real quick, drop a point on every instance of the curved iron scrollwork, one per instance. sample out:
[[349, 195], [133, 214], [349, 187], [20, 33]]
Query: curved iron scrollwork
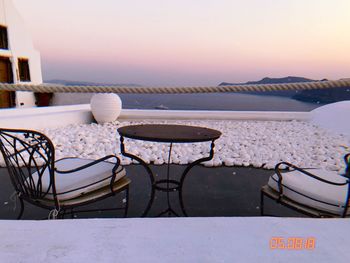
[[170, 185], [30, 160], [29, 155]]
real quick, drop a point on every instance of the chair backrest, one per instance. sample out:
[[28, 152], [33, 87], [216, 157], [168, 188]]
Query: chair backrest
[[27, 155]]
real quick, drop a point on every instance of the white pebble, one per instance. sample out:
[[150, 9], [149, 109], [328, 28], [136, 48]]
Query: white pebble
[[242, 143]]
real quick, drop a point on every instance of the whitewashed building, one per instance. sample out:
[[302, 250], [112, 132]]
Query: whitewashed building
[[19, 61]]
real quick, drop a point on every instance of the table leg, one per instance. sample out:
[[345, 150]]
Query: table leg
[[169, 209], [188, 168], [168, 177], [148, 169]]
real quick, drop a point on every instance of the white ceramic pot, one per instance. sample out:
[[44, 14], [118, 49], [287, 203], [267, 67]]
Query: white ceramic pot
[[106, 107]]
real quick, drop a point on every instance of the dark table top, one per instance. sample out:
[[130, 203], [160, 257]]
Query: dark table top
[[169, 133]]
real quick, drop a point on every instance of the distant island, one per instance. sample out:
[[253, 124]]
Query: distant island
[[321, 96]]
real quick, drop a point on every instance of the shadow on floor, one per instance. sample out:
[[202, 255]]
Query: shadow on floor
[[208, 192]]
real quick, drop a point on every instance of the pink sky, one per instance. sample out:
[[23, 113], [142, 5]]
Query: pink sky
[[163, 42]]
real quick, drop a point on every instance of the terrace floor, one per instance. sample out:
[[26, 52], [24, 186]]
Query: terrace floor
[[208, 192]]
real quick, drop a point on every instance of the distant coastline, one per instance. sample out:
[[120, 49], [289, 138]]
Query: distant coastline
[[305, 100], [319, 96]]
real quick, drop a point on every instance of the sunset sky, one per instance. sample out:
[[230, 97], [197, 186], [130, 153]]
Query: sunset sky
[[182, 42]]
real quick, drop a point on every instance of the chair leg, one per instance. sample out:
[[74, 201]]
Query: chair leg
[[261, 203], [22, 208], [71, 213], [127, 202], [61, 214]]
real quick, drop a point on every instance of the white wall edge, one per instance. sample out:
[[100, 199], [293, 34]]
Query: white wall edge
[[59, 116], [45, 117], [213, 115], [42, 110]]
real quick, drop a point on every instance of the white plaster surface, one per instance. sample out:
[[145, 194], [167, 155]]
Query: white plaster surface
[[213, 115], [20, 46], [20, 41], [58, 116], [40, 117], [257, 143], [172, 240], [334, 117]]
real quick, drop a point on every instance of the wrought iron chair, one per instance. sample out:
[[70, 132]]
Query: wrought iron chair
[[326, 194], [58, 185]]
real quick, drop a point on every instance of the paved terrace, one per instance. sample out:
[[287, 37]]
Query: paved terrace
[[222, 202], [208, 192]]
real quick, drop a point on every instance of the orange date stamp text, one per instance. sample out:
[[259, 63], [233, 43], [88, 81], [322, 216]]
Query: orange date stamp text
[[293, 243]]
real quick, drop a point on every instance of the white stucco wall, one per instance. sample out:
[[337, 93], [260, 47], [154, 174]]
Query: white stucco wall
[[20, 46], [60, 116], [45, 117], [333, 117], [2, 12]]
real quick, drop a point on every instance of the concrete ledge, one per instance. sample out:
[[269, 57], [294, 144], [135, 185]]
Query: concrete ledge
[[58, 116], [213, 115], [174, 240], [45, 117]]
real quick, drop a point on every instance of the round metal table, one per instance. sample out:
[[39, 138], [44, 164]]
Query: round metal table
[[165, 133]]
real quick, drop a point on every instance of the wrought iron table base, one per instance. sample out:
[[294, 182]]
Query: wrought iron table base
[[156, 185]]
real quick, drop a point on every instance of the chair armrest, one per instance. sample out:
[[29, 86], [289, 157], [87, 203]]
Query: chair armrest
[[347, 162], [91, 164], [114, 169], [347, 157], [278, 172]]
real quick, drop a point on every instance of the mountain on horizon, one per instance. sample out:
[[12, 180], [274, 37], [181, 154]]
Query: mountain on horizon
[[321, 96], [267, 80]]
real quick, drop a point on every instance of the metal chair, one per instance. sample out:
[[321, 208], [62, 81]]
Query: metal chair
[[326, 194], [58, 185]]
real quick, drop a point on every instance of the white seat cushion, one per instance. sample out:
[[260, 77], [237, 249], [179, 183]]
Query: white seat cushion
[[99, 175], [311, 192]]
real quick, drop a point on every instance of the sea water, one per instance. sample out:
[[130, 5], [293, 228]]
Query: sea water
[[203, 101]]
